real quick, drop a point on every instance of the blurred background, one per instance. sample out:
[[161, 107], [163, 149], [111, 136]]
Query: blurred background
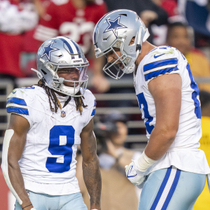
[[25, 24]]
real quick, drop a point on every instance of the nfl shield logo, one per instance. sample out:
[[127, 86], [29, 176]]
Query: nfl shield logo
[[63, 114]]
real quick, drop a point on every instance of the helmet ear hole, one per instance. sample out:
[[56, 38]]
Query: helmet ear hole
[[44, 72], [132, 41]]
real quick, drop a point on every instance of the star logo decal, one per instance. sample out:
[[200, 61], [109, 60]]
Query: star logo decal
[[113, 25], [48, 50]]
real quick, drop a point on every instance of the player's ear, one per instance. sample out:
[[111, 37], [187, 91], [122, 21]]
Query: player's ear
[[132, 41]]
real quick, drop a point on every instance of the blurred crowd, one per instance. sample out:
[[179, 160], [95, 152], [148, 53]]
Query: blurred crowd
[[25, 24]]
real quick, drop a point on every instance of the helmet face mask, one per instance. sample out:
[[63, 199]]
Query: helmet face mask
[[62, 53], [121, 29]]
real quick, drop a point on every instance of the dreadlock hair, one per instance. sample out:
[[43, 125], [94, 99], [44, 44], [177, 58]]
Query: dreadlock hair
[[54, 101]]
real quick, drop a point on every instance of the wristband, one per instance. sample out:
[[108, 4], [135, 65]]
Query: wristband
[[144, 162]]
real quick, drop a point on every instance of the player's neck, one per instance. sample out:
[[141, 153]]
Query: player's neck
[[146, 48]]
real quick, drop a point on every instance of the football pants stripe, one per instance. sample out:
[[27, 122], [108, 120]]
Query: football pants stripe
[[167, 189]]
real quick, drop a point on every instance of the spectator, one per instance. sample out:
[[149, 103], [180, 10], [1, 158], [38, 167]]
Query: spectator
[[16, 17], [76, 19], [113, 151], [203, 201], [200, 23], [150, 12], [111, 132], [31, 45], [179, 36], [170, 6]]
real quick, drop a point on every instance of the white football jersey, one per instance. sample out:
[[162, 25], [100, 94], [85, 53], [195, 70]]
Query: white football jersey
[[184, 152], [48, 161]]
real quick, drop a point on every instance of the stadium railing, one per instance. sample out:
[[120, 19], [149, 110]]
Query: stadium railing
[[136, 137]]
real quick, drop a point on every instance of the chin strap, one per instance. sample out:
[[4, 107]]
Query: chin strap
[[142, 36]]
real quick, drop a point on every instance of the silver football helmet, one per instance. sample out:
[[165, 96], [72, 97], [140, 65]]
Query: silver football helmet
[[59, 53], [114, 31]]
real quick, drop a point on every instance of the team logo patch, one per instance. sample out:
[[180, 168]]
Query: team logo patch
[[63, 113]]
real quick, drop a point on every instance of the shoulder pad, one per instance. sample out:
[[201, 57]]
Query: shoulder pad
[[18, 99], [161, 60], [162, 52], [90, 100]]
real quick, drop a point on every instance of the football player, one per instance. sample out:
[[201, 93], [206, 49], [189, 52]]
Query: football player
[[171, 171], [48, 121]]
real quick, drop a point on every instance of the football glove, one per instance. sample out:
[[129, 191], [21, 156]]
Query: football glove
[[135, 176]]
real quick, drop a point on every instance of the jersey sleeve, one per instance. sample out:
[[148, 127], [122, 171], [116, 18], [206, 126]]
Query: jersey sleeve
[[20, 102], [160, 61], [90, 110]]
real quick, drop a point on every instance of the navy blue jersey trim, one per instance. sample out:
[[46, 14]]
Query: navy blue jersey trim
[[159, 72], [17, 110], [18, 101], [160, 63], [93, 112]]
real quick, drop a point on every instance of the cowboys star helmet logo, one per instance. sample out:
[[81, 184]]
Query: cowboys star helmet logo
[[48, 50], [113, 25]]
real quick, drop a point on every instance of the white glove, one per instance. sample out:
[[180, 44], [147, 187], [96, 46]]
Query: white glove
[[135, 176]]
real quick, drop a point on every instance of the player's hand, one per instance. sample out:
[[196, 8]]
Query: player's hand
[[135, 176]]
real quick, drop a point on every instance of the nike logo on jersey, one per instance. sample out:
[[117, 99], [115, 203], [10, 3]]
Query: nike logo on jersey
[[156, 56]]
